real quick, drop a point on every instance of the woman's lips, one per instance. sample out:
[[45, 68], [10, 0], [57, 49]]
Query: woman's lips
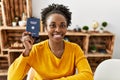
[[57, 36]]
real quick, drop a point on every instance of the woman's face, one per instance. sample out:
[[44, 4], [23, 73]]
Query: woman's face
[[56, 26]]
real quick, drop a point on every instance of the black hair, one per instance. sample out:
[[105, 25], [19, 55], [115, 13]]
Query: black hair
[[56, 8]]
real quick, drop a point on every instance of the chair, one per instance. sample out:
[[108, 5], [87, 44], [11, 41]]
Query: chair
[[30, 74], [108, 70]]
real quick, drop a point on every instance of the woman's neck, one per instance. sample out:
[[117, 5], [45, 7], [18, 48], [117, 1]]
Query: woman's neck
[[56, 46]]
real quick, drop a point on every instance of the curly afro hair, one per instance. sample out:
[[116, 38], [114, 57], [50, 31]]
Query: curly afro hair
[[56, 8]]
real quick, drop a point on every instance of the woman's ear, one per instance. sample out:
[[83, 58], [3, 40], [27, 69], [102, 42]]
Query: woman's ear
[[45, 27]]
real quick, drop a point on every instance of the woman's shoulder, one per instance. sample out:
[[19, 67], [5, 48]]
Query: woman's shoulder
[[73, 47], [41, 44], [71, 44]]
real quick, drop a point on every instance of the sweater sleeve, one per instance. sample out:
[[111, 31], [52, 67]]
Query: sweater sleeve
[[81, 63], [20, 67]]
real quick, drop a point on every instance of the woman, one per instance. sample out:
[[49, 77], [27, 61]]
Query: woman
[[55, 58]]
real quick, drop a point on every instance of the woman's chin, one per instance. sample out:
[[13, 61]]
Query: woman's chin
[[58, 39]]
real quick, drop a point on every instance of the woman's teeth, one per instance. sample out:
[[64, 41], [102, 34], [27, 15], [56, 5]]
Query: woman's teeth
[[57, 35]]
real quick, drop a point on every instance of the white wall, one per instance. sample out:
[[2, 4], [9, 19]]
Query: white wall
[[85, 11]]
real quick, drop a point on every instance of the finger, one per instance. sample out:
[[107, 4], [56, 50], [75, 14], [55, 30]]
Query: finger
[[27, 45], [26, 33], [27, 37], [32, 40]]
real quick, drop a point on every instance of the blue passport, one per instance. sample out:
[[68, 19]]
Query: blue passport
[[33, 26]]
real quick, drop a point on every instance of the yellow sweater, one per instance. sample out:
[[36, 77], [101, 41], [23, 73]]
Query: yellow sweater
[[48, 66]]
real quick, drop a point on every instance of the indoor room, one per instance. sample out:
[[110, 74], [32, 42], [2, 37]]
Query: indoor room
[[59, 40]]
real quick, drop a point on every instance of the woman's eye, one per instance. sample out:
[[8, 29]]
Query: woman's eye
[[52, 25], [63, 26]]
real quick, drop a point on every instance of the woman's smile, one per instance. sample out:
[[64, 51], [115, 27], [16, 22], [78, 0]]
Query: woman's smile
[[57, 36], [56, 27]]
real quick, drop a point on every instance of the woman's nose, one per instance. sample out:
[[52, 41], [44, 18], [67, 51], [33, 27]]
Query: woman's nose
[[57, 29]]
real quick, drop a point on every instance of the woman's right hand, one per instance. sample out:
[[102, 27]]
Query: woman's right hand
[[27, 41]]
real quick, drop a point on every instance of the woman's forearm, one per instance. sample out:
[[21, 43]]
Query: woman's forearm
[[18, 69]]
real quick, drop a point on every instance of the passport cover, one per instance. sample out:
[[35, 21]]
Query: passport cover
[[33, 26]]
